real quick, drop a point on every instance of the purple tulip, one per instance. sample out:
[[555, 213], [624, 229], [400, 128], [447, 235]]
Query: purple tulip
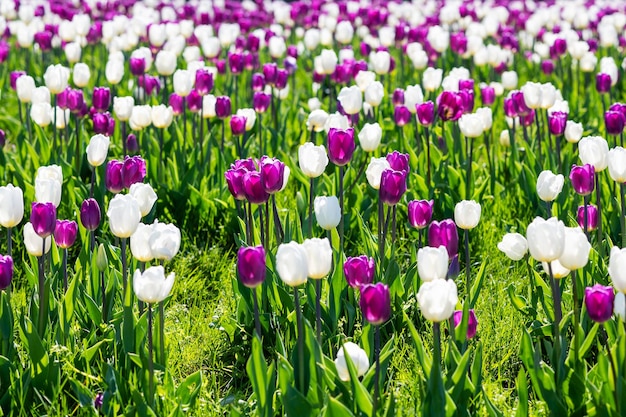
[[270, 71], [133, 170], [401, 115], [4, 51], [151, 84], [556, 123], [472, 322], [103, 123], [204, 82], [6, 271], [425, 113], [466, 85], [43, 217], [359, 270], [398, 161], [251, 265], [176, 102], [223, 107], [458, 43], [62, 98], [582, 178], [340, 145], [235, 62], [194, 101], [614, 122], [247, 164], [487, 95], [261, 102], [519, 103], [137, 66], [14, 76], [467, 98], [253, 188], [444, 233], [101, 99], [392, 186], [603, 83], [65, 233], [619, 107], [599, 302], [258, 82], [272, 174], [75, 100], [449, 106], [527, 119], [282, 76], [398, 97], [420, 212], [547, 67], [90, 214], [234, 181], [220, 64], [592, 217], [375, 303], [509, 108], [43, 40], [132, 145], [113, 177]]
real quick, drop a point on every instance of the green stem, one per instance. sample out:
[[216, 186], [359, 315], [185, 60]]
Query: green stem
[[599, 206], [556, 298], [161, 332], [9, 241], [41, 289], [311, 191], [616, 398], [341, 231], [150, 361], [318, 310], [300, 325], [467, 265], [576, 314], [377, 369], [104, 298], [257, 322], [64, 270]]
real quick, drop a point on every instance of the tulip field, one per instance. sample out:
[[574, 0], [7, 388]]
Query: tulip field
[[352, 208]]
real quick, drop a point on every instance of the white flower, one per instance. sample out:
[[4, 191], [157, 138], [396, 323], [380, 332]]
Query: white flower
[[357, 356], [437, 299], [152, 286], [514, 246]]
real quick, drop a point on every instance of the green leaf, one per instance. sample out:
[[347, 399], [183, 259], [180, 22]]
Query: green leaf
[[89, 353], [336, 409], [522, 393], [188, 391], [257, 372], [296, 405], [85, 397]]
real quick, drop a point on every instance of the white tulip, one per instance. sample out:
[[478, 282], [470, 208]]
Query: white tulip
[[152, 286], [576, 251], [317, 120], [370, 136], [374, 93], [573, 131], [140, 243], [351, 99], [546, 239], [124, 215], [165, 241], [374, 171], [33, 243], [594, 150], [432, 263], [514, 245], [319, 257], [312, 159], [11, 206], [327, 212], [165, 63], [56, 78], [161, 116], [24, 86], [145, 196], [467, 214], [437, 299], [357, 356], [123, 107], [291, 263], [81, 75], [549, 185]]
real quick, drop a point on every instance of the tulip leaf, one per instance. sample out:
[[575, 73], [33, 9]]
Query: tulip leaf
[[89, 353], [336, 409], [478, 284], [522, 393], [93, 309], [296, 404], [518, 302]]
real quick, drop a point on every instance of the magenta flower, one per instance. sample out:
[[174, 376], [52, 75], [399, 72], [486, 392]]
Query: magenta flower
[[6, 271], [375, 303], [592, 217], [472, 322], [359, 270], [449, 106], [253, 188], [272, 174], [251, 265], [340, 145], [133, 170], [444, 233], [90, 214], [599, 302], [420, 213], [65, 233], [43, 217], [583, 179], [113, 176]]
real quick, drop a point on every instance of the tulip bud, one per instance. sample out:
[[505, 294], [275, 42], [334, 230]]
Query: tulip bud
[[401, 115], [204, 82], [97, 150], [6, 272], [444, 233], [599, 302], [472, 322], [340, 145], [359, 270], [594, 150], [556, 122], [425, 113], [123, 107], [603, 83], [432, 263], [90, 214], [56, 78], [251, 266], [357, 356], [546, 239], [583, 179], [467, 214], [488, 95], [319, 257], [327, 212], [124, 215], [471, 125], [43, 218], [592, 217], [291, 263], [437, 299], [223, 107], [165, 63], [614, 122], [351, 99], [420, 213], [573, 131], [375, 303], [152, 286], [101, 99], [137, 66], [398, 161], [514, 246], [133, 170], [65, 233], [392, 186], [140, 243], [253, 188], [238, 125]]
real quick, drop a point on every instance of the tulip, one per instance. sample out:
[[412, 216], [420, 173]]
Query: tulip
[[223, 107], [312, 159], [514, 246], [124, 215], [375, 303], [238, 125], [340, 145], [34, 243], [6, 271], [248, 116], [449, 106], [431, 78], [398, 161], [140, 117], [317, 120], [152, 286], [183, 82], [351, 99], [398, 97], [164, 241], [392, 186], [113, 177], [114, 71], [444, 233], [425, 113], [619, 306], [272, 174], [65, 233], [137, 66], [204, 82], [133, 170], [101, 98], [253, 187], [11, 206], [123, 107], [617, 164], [43, 218], [401, 115], [592, 217], [261, 102], [599, 302], [413, 96], [603, 83], [472, 322], [467, 214], [327, 212], [97, 150], [145, 196], [617, 268], [25, 86], [549, 185], [546, 239], [594, 150], [140, 242], [583, 179], [162, 116], [375, 170], [420, 213], [370, 136], [319, 257], [432, 263], [56, 78], [488, 95], [437, 299], [165, 63], [291, 263], [573, 131], [251, 266], [471, 125], [557, 122], [359, 270], [90, 214], [614, 122], [576, 249], [357, 356], [41, 114]]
